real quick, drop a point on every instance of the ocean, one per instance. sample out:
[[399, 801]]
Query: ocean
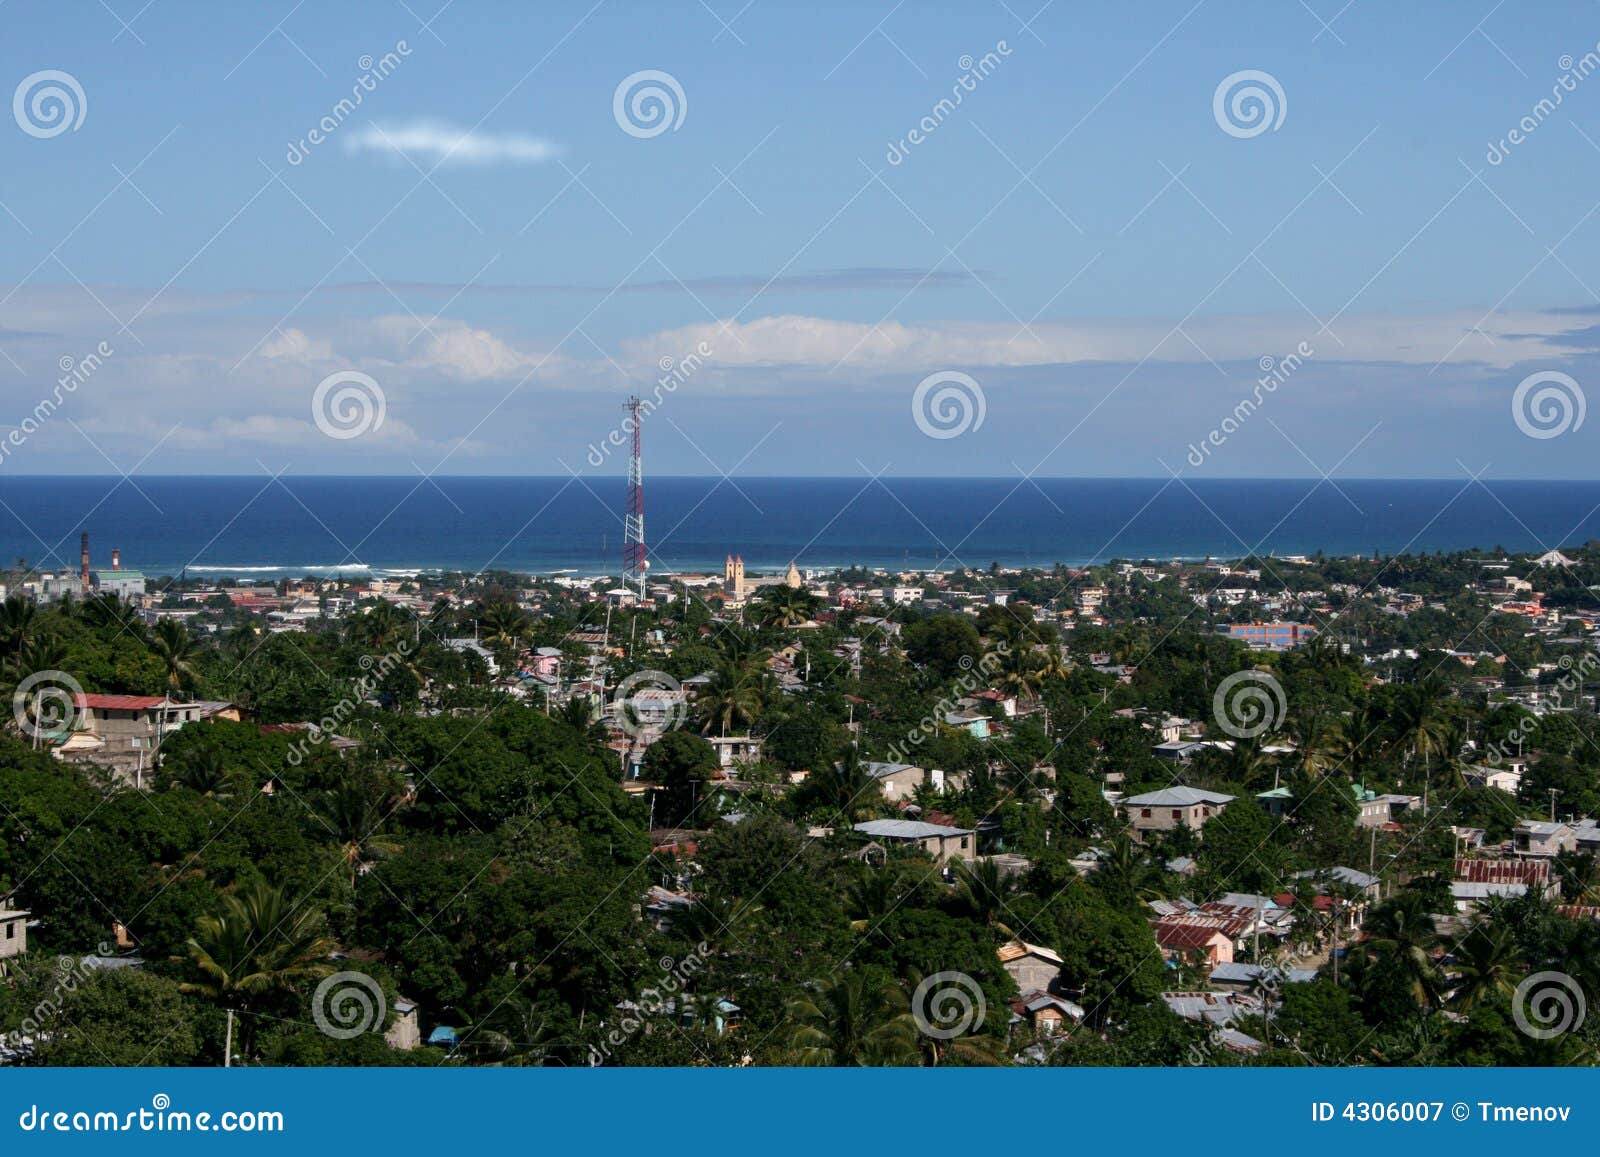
[[254, 527]]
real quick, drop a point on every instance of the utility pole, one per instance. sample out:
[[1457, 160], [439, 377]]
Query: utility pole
[[227, 1049], [634, 563], [1255, 947]]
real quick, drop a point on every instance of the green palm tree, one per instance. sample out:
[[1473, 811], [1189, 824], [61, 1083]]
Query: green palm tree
[[203, 771], [972, 1048], [847, 786], [1419, 721], [258, 945], [504, 626], [782, 606], [1318, 741], [177, 650], [1403, 933], [18, 618], [43, 651], [983, 889], [354, 810], [379, 627], [731, 700], [519, 1034], [108, 610], [1485, 957], [1126, 871], [872, 897], [1020, 673], [851, 1021]]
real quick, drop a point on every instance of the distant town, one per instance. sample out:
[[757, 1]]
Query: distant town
[[1303, 810]]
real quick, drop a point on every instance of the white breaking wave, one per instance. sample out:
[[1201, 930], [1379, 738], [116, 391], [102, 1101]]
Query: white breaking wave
[[357, 566]]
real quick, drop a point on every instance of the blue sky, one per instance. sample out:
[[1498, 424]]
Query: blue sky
[[1081, 237]]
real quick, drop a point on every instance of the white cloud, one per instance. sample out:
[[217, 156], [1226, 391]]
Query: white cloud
[[442, 143], [295, 345], [824, 343]]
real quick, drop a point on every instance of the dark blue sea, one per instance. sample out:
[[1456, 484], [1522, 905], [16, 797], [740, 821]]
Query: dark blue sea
[[258, 527]]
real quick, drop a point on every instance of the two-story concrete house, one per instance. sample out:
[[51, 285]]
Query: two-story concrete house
[[1173, 808]]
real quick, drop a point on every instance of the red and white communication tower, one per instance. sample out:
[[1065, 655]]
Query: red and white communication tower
[[634, 563]]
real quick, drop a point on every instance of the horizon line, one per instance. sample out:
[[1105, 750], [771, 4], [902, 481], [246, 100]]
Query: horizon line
[[815, 477]]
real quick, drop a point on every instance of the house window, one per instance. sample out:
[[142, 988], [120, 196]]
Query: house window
[[1144, 814], [1176, 814], [11, 930], [963, 843]]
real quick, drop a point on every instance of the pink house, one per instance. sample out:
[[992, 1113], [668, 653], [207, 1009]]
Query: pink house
[[1178, 937], [546, 662]]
